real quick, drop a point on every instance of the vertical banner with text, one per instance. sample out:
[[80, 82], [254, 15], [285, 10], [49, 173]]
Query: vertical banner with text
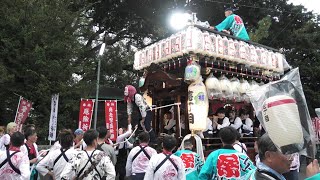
[[111, 118], [22, 113], [53, 117], [85, 114]]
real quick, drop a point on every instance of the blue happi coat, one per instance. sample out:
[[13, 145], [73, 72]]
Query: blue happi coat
[[226, 163], [192, 163], [235, 24]]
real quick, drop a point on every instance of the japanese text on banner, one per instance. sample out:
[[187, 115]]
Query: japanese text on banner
[[85, 114], [53, 117], [22, 112], [111, 118]]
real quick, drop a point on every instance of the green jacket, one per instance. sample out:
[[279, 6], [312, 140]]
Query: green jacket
[[192, 163], [235, 24], [315, 177], [226, 163]]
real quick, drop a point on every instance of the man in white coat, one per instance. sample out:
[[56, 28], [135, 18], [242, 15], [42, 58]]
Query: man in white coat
[[58, 158], [166, 166], [14, 165], [139, 157]]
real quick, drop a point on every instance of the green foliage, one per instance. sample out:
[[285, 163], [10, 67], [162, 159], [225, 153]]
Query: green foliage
[[262, 30]]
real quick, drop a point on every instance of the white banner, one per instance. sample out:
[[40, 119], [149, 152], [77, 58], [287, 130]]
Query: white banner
[[53, 117]]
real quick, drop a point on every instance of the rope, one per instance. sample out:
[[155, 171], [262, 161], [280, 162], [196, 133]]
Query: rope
[[126, 140]]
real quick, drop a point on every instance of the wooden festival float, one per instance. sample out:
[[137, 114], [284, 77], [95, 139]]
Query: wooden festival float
[[198, 70]]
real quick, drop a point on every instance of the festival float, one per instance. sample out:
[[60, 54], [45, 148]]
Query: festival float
[[199, 70]]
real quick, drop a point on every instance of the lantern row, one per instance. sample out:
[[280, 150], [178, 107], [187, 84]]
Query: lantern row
[[194, 41]]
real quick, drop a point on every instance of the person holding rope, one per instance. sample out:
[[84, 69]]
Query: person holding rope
[[135, 100], [139, 157]]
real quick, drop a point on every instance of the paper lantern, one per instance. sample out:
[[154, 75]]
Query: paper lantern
[[184, 42], [225, 47], [198, 106], [253, 56], [207, 44], [264, 58], [242, 51], [214, 47], [237, 51], [219, 46], [136, 64], [258, 52], [253, 85], [192, 72], [213, 87], [280, 58], [231, 50], [283, 130], [248, 54]]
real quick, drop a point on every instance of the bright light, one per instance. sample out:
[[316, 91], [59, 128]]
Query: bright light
[[103, 46], [179, 20]]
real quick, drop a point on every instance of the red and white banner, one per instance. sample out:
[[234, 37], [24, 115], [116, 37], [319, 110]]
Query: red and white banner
[[85, 114], [111, 118], [22, 112]]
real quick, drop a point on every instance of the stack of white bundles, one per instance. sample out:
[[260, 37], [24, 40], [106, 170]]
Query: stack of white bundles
[[242, 51], [264, 58], [253, 56], [282, 121], [258, 52], [198, 106], [219, 46], [207, 44], [213, 87], [237, 57], [148, 56], [225, 48], [167, 49], [225, 87], [192, 72], [281, 59], [231, 50], [214, 45], [163, 50], [235, 87]]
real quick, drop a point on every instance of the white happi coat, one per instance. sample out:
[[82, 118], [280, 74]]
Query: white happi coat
[[20, 161], [167, 171], [48, 162], [140, 163]]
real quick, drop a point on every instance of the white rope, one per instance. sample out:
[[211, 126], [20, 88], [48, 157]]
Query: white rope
[[127, 139], [160, 107], [198, 145]]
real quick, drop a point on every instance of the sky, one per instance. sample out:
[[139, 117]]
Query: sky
[[311, 5]]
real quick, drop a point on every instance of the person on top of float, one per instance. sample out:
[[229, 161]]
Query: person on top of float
[[233, 24], [130, 96]]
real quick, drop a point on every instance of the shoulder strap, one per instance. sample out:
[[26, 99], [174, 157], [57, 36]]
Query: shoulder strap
[[62, 154], [99, 147], [6, 160], [27, 149], [10, 162], [162, 162], [92, 164], [243, 149], [142, 149], [80, 172]]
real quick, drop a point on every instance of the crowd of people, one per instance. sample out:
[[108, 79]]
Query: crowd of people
[[91, 155]]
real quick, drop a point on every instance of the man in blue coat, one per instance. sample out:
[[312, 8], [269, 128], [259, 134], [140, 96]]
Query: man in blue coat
[[233, 24], [226, 163]]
